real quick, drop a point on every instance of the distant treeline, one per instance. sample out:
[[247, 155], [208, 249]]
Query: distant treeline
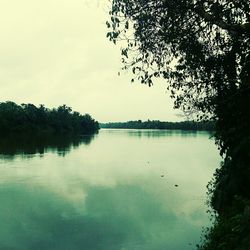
[[186, 125], [27, 118]]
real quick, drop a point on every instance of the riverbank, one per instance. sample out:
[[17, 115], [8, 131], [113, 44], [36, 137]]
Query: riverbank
[[156, 124]]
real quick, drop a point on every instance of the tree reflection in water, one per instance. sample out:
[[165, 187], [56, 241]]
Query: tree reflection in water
[[27, 146]]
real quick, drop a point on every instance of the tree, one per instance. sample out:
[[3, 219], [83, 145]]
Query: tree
[[202, 49], [27, 118]]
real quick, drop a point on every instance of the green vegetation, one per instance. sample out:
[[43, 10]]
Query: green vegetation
[[27, 118], [186, 125], [202, 49]]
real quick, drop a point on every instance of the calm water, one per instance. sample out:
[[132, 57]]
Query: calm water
[[117, 190]]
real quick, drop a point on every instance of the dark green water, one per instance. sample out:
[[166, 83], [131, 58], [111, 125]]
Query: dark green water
[[113, 191]]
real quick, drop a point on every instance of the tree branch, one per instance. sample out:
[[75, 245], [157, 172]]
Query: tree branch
[[231, 28]]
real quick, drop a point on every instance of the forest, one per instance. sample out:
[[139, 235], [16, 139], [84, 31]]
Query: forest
[[28, 118], [156, 124]]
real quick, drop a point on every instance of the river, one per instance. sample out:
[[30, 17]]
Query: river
[[117, 190]]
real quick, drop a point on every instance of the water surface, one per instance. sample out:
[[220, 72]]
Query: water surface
[[121, 189]]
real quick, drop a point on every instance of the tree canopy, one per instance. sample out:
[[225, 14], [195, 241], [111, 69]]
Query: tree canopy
[[26, 118], [200, 47]]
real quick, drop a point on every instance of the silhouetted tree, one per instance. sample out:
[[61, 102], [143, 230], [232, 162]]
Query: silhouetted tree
[[202, 49], [26, 118]]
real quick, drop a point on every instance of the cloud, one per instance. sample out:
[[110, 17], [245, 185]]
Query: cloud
[[56, 51]]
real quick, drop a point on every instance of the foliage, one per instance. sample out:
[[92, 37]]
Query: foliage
[[202, 49], [186, 125], [26, 118], [230, 231]]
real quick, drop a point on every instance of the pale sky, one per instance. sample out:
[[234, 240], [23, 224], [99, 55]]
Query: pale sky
[[56, 52]]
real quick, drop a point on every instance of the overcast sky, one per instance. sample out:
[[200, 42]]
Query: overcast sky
[[56, 52]]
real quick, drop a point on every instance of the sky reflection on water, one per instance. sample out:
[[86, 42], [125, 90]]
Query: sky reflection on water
[[116, 192]]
